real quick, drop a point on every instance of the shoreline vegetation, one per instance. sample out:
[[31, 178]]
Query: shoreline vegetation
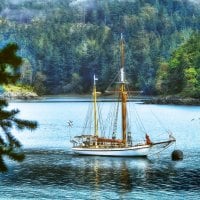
[[173, 100], [12, 92], [24, 94]]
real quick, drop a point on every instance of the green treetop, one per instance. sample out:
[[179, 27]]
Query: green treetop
[[181, 74]]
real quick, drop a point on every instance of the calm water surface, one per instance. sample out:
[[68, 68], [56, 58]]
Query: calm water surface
[[51, 171]]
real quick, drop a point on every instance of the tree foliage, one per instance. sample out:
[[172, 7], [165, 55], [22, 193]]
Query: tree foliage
[[181, 73], [9, 73], [67, 37], [8, 57]]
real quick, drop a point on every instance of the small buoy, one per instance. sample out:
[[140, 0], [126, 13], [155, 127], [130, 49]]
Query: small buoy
[[177, 155]]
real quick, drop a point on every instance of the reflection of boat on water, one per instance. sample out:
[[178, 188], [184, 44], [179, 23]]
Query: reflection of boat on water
[[119, 174], [102, 145]]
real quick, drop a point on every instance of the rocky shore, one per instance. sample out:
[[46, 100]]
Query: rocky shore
[[173, 100], [19, 95]]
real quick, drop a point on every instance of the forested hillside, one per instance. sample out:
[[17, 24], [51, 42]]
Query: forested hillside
[[181, 74], [64, 42]]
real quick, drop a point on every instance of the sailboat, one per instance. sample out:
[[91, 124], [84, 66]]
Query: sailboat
[[96, 145]]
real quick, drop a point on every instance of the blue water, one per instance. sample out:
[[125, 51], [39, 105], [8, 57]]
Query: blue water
[[51, 171]]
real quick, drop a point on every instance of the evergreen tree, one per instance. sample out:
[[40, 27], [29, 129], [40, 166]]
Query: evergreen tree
[[9, 73], [68, 37], [180, 75]]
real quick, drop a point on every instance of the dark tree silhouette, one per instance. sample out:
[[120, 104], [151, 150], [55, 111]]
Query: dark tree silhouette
[[9, 73]]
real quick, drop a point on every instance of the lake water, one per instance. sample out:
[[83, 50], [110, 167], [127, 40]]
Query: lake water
[[51, 171]]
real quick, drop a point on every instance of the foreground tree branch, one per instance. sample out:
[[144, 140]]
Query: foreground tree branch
[[9, 73]]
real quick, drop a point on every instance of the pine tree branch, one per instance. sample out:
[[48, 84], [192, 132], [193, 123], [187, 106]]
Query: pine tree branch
[[15, 155], [9, 73], [3, 103], [21, 124], [13, 142], [8, 115], [3, 167]]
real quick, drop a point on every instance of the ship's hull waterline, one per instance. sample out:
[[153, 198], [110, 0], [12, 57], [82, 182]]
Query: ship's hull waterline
[[137, 151]]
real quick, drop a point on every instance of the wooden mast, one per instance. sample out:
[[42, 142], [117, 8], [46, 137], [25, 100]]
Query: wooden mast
[[123, 91], [95, 108]]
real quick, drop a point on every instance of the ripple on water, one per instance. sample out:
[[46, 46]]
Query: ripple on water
[[58, 174]]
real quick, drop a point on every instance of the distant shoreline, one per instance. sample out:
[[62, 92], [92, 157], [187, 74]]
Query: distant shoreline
[[173, 101], [19, 95], [168, 100]]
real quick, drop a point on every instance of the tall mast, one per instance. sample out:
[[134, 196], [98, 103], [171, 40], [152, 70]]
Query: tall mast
[[95, 107], [123, 91]]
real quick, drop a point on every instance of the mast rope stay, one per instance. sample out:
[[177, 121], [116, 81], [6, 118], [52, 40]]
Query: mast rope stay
[[138, 119], [116, 76], [101, 124], [88, 121], [116, 118]]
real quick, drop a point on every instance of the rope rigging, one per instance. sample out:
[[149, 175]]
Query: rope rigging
[[88, 120], [116, 117]]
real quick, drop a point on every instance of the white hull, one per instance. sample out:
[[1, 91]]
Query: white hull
[[135, 151]]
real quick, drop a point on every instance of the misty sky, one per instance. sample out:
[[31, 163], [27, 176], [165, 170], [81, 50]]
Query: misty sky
[[18, 14]]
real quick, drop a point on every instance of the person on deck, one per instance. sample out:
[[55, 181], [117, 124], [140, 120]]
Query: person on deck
[[148, 140]]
